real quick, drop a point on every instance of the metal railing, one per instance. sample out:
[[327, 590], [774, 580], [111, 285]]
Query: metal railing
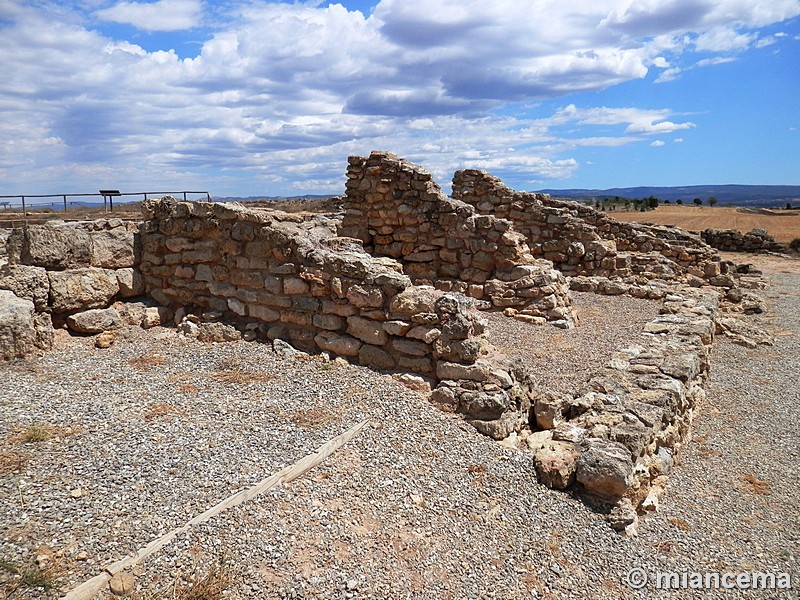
[[107, 198]]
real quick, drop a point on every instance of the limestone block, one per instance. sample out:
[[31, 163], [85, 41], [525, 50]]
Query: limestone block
[[295, 285], [410, 347], [340, 344], [28, 282], [50, 247], [131, 282], [414, 299], [115, 249], [95, 320], [77, 289], [556, 463], [367, 330], [217, 332], [374, 356], [328, 322], [23, 332], [485, 405], [605, 469], [363, 296]]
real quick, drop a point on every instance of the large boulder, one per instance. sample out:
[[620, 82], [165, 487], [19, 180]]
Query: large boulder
[[78, 289], [30, 283], [50, 246], [23, 332]]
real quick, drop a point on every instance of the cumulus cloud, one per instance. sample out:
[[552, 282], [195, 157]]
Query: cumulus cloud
[[658, 143], [279, 93], [163, 15]]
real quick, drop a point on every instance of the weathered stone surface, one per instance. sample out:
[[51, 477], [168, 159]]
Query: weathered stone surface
[[23, 332], [217, 332], [556, 463], [367, 330], [376, 357], [414, 300], [94, 320], [30, 283], [78, 289], [486, 405], [50, 247], [548, 409], [113, 249], [605, 469], [130, 281], [343, 345]]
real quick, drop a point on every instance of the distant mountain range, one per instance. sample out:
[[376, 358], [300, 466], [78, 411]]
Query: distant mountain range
[[739, 195]]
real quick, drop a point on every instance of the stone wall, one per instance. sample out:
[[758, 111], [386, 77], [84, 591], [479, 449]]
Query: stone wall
[[396, 209], [580, 240], [616, 437], [294, 280], [71, 273], [731, 240]]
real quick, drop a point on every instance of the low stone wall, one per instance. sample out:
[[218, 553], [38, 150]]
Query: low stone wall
[[580, 240], [294, 281], [396, 209], [731, 240], [616, 437]]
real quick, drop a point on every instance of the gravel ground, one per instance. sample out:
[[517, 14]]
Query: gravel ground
[[156, 429], [561, 360]]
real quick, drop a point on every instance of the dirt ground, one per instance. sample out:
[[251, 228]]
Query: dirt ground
[[783, 225]]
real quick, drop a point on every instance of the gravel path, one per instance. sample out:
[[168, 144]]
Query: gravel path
[[156, 429]]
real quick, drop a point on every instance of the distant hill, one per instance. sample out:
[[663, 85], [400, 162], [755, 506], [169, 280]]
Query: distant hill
[[739, 195]]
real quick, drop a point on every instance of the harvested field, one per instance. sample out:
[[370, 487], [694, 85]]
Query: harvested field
[[783, 225], [419, 505]]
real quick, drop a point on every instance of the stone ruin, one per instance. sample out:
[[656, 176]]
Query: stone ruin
[[730, 240], [398, 284]]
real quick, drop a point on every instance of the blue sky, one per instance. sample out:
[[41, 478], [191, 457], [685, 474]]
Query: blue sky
[[249, 97]]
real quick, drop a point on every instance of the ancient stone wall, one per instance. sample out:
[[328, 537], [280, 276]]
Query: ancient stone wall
[[71, 273], [731, 240], [580, 240], [295, 281], [396, 209], [616, 437]]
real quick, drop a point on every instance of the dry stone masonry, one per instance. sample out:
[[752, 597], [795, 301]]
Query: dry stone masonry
[[396, 209], [294, 280], [731, 240], [397, 284]]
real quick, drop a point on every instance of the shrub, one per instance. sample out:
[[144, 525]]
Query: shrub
[[795, 244]]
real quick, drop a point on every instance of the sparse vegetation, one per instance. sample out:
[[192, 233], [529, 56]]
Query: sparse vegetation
[[795, 244], [25, 577], [159, 409], [40, 432], [147, 361], [11, 461], [211, 586], [758, 486]]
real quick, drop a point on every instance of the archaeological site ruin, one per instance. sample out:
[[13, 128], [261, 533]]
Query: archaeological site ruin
[[399, 282]]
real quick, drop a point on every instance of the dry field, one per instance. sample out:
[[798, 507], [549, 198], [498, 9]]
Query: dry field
[[783, 225]]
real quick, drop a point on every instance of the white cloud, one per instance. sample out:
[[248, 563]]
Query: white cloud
[[658, 143], [279, 93], [163, 15], [723, 39], [678, 140]]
